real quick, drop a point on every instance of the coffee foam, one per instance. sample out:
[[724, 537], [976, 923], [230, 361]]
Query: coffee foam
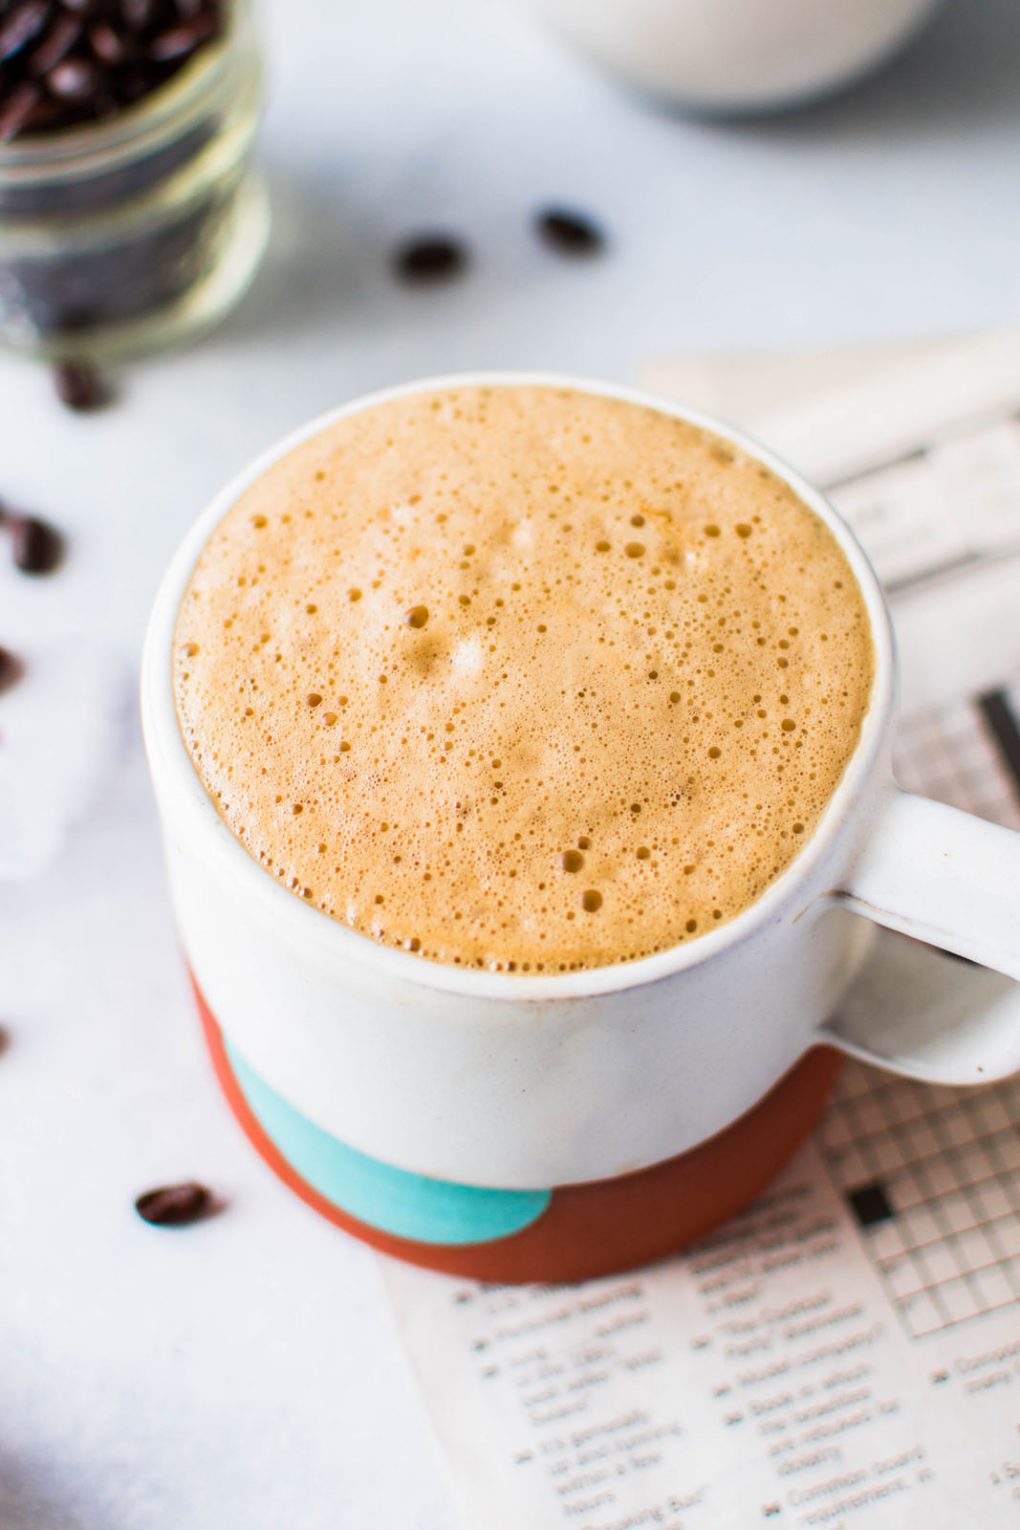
[[522, 678]]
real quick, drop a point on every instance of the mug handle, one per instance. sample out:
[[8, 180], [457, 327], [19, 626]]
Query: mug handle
[[953, 881]]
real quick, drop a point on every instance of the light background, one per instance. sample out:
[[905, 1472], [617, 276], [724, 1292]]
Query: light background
[[243, 1373]]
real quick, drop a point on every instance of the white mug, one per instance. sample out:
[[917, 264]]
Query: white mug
[[520, 1083]]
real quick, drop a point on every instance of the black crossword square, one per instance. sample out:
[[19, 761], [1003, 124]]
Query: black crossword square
[[870, 1204]]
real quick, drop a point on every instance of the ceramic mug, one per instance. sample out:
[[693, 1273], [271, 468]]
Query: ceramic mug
[[553, 1127]]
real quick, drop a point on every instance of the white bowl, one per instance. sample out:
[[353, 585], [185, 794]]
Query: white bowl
[[736, 55]]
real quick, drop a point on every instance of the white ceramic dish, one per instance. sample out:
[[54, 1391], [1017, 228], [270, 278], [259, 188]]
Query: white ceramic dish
[[736, 55]]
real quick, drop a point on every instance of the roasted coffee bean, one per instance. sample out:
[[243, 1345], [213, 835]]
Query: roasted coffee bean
[[109, 46], [133, 84], [61, 37], [75, 79], [179, 42], [432, 258], [10, 670], [569, 233], [77, 318], [81, 386], [22, 25], [139, 14], [17, 111], [174, 1205], [88, 58], [36, 547]]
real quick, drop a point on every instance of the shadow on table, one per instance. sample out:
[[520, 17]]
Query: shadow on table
[[324, 267], [27, 1504], [961, 72]]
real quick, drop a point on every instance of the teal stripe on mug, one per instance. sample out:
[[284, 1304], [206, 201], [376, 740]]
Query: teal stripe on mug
[[392, 1200]]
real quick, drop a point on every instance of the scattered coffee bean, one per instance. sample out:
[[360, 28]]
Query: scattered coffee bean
[[10, 670], [36, 547], [174, 1205], [432, 258], [81, 386], [570, 233]]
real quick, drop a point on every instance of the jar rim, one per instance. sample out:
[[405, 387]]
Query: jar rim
[[95, 147]]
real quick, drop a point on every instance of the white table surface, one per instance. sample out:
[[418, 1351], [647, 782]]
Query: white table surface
[[243, 1373]]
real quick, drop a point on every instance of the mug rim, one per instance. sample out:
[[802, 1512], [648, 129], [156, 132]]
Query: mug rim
[[173, 769]]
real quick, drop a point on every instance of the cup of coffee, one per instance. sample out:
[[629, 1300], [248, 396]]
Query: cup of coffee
[[521, 747]]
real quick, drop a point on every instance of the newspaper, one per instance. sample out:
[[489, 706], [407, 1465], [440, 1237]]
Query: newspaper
[[847, 1352]]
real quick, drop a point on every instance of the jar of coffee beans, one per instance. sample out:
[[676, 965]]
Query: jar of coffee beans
[[130, 213]]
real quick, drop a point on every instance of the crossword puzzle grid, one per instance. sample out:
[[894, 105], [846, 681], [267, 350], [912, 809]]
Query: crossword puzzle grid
[[949, 754], [933, 1175], [944, 1167]]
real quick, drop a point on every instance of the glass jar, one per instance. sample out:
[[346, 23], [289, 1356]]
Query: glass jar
[[133, 233]]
